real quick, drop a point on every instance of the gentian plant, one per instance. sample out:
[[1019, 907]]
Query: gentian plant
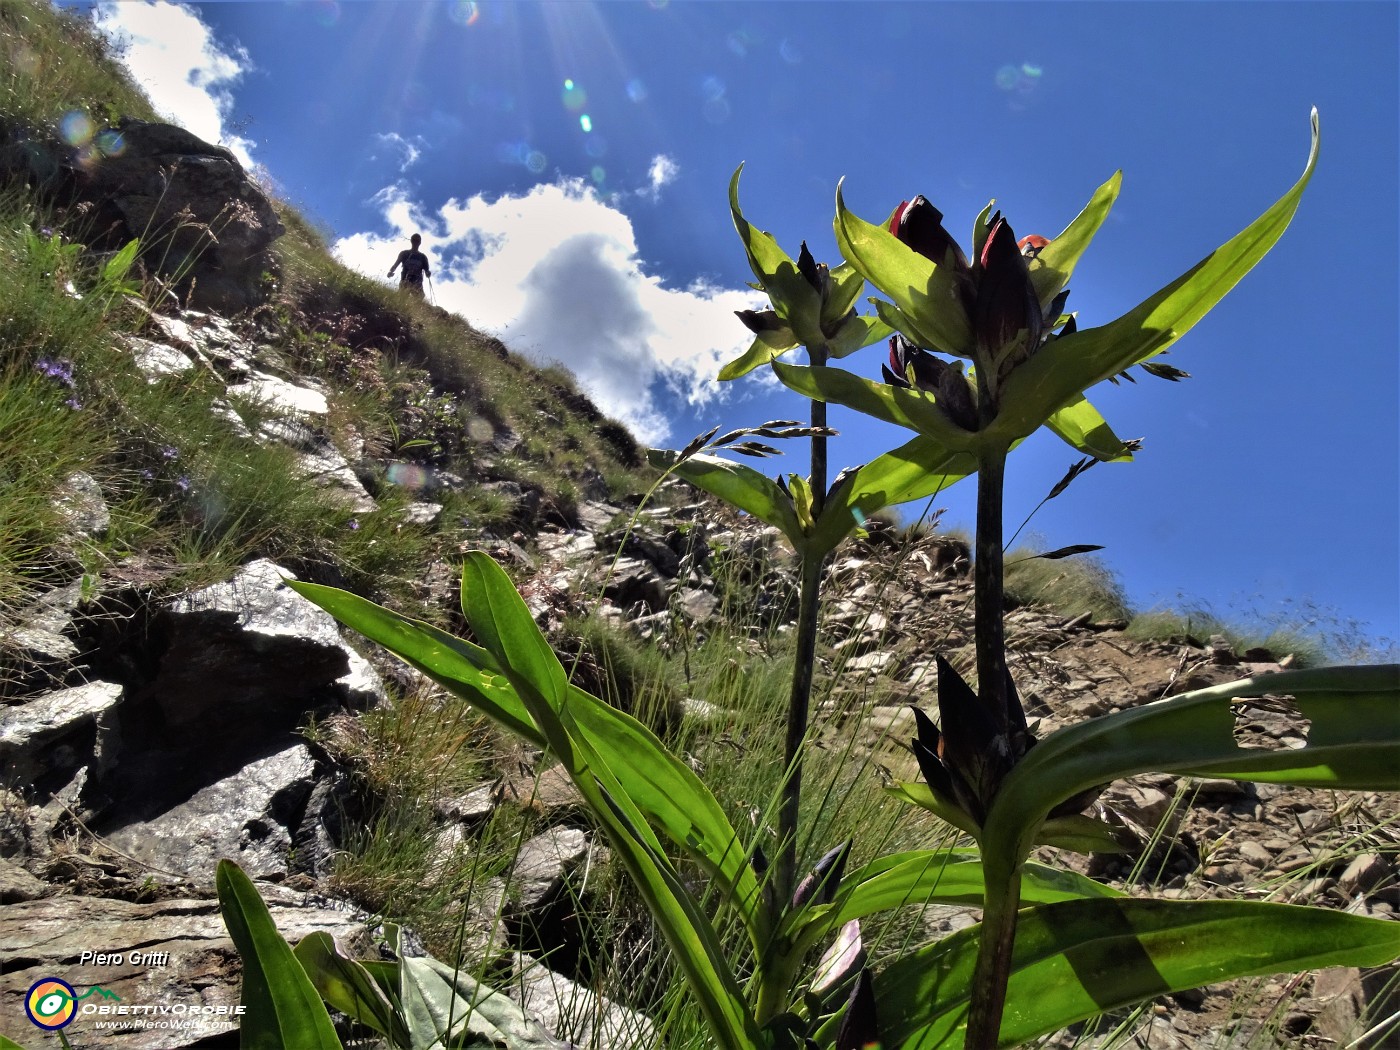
[[980, 355]]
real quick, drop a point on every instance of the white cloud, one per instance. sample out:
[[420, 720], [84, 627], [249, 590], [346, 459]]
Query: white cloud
[[556, 273], [663, 171], [186, 73], [408, 150]]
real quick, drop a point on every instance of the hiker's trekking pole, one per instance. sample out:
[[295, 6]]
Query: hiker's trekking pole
[[432, 295]]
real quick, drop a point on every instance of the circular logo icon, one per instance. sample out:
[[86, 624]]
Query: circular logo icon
[[51, 1003]]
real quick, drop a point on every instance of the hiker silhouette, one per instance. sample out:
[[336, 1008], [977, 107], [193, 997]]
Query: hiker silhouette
[[415, 266]]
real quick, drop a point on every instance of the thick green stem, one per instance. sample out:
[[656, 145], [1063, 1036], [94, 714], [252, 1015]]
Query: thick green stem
[[993, 971], [800, 697]]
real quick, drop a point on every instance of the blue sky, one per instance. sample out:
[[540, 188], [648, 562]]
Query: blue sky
[[567, 164]]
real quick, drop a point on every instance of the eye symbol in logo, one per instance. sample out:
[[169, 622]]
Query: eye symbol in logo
[[50, 1003]]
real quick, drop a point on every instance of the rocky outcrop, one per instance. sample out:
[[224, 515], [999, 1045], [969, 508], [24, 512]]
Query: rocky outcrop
[[205, 225], [170, 965]]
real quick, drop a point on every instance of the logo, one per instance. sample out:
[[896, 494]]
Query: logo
[[52, 1003]]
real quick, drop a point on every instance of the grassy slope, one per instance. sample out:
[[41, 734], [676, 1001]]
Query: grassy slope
[[409, 383]]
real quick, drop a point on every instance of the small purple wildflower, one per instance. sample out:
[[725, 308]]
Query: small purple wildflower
[[182, 483], [148, 474], [353, 524], [169, 452], [74, 404], [61, 369]]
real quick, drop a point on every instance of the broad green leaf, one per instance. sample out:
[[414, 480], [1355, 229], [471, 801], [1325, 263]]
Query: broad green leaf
[[905, 408], [932, 877], [498, 615], [1080, 426], [346, 985], [502, 622], [792, 297], [114, 271], [916, 470], [8, 1044], [667, 789], [738, 485], [802, 502], [282, 1008], [1353, 741], [1076, 959], [926, 292], [1076, 833], [444, 1007], [858, 331], [1066, 367], [763, 349], [897, 320], [1051, 269]]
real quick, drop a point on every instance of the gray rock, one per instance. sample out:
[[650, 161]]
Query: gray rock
[[45, 741], [209, 225], [572, 1012], [80, 502], [542, 864], [175, 953], [238, 647], [250, 817], [43, 631], [16, 884], [280, 397]]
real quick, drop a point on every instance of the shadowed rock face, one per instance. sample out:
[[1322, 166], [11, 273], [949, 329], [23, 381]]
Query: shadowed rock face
[[204, 225]]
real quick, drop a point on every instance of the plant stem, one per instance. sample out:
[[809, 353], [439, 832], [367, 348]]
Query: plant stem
[[989, 588], [1001, 895], [803, 663]]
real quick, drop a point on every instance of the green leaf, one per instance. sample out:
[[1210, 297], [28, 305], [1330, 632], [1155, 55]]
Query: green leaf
[[114, 271], [923, 877], [667, 789], [282, 1008], [897, 320], [792, 297], [1051, 269], [926, 293], [763, 349], [346, 985], [736, 484], [1076, 833], [444, 1007], [1067, 366], [915, 470], [858, 331], [1076, 959], [905, 408], [1353, 741], [499, 617], [9, 1044], [846, 285], [1080, 425]]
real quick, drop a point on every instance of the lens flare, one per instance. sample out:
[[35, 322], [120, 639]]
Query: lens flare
[[598, 174], [110, 143], [480, 429], [536, 161], [790, 52], [464, 12], [407, 475], [595, 146], [327, 12], [636, 90], [75, 128], [574, 97], [585, 122]]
